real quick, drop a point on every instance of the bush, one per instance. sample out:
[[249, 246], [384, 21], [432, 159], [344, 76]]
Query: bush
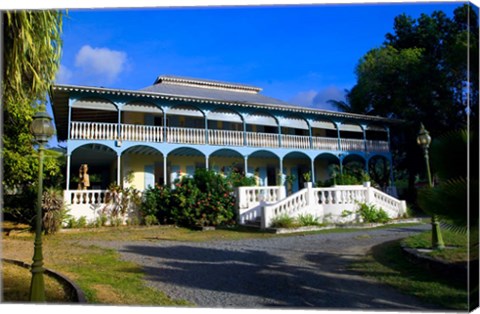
[[205, 200], [308, 220], [53, 209], [150, 220], [370, 214], [284, 221]]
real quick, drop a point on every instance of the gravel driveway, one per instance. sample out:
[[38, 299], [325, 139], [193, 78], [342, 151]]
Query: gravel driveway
[[291, 272]]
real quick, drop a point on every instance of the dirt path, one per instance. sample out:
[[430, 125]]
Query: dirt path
[[291, 272]]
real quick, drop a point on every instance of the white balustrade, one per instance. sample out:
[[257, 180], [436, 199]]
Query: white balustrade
[[185, 135], [141, 133], [295, 141], [262, 139], [291, 206], [251, 198], [225, 138], [327, 143], [93, 131], [377, 146], [75, 197], [352, 144], [334, 202], [149, 133], [391, 205]]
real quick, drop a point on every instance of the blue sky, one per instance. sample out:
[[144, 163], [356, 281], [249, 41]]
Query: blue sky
[[305, 54]]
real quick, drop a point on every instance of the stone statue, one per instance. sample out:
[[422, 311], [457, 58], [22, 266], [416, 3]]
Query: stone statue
[[84, 181]]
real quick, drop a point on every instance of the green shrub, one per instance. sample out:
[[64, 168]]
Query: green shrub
[[371, 214], [284, 221], [308, 220], [205, 200], [82, 222], [150, 220], [54, 210]]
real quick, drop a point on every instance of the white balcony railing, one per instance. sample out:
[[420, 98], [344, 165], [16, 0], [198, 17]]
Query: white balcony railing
[[141, 133], [149, 133], [327, 143], [93, 131], [352, 144], [262, 139], [185, 135], [295, 141], [225, 137], [377, 146]]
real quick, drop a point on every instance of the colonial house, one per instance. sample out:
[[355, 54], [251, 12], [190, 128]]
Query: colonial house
[[157, 134]]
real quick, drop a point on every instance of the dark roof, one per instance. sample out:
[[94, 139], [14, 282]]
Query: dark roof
[[212, 90]]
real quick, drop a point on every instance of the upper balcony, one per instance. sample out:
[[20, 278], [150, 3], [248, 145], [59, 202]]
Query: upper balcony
[[202, 112], [221, 137]]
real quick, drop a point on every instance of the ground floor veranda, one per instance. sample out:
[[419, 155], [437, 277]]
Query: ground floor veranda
[[142, 165]]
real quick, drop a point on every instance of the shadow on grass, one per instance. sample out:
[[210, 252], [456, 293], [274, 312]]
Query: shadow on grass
[[389, 264]]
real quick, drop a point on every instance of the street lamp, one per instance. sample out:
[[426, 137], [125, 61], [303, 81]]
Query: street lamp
[[424, 140], [42, 129]]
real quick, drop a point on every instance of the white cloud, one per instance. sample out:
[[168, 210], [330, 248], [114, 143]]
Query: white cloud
[[100, 64], [304, 98], [319, 98], [63, 75]]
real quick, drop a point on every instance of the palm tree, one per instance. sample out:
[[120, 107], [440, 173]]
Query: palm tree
[[449, 198]]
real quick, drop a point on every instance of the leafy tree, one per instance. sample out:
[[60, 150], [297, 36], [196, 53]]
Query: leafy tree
[[32, 47], [420, 74], [448, 199]]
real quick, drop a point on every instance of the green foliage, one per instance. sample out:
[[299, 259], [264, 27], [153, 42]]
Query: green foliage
[[32, 46], [237, 179], [284, 221], [205, 200], [73, 223], [372, 214], [119, 202], [54, 210], [308, 220], [421, 74], [150, 220], [448, 199]]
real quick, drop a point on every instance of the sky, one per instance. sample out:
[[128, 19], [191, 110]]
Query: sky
[[303, 54]]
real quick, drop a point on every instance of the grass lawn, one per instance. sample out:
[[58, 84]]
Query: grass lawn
[[106, 279], [389, 265], [99, 272]]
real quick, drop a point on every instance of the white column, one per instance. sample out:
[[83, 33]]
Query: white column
[[164, 170], [206, 162], [313, 170], [119, 182], [68, 173], [245, 165]]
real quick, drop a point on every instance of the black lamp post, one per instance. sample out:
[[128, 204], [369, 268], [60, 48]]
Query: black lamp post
[[42, 129], [424, 140]]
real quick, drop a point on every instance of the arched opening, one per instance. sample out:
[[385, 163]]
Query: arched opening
[[327, 166], [225, 128], [262, 130], [324, 135], [184, 161], [101, 161], [225, 161], [379, 171], [142, 167], [265, 167], [353, 168], [295, 166]]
